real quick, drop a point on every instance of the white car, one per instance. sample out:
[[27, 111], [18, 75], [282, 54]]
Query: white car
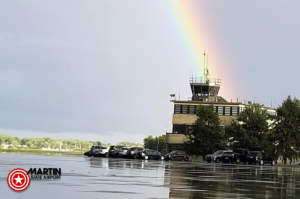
[[103, 151]]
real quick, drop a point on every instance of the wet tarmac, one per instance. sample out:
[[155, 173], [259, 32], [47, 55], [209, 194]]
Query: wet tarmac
[[87, 177]]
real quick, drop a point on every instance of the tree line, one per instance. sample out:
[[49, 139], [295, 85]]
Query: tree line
[[155, 143], [254, 129], [39, 143]]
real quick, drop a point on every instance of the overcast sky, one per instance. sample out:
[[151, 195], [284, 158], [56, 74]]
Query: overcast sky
[[103, 70]]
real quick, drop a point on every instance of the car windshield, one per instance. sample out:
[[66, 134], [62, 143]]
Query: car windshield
[[176, 152], [227, 152], [218, 152], [253, 153], [237, 151]]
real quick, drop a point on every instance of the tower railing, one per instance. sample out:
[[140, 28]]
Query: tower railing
[[201, 80]]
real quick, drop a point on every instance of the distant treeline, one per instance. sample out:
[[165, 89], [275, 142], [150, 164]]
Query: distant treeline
[[155, 143], [39, 143]]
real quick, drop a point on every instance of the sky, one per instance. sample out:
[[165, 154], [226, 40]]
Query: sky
[[104, 70]]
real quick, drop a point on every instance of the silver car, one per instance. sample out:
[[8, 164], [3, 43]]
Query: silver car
[[123, 151]]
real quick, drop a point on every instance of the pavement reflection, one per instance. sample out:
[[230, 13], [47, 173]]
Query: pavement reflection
[[89, 177], [188, 180]]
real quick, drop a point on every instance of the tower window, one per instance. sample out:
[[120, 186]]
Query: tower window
[[192, 109], [220, 110], [184, 109], [227, 110], [177, 109], [234, 110]]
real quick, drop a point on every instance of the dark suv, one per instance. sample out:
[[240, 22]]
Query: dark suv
[[260, 158], [149, 154], [237, 156], [132, 152], [177, 155], [217, 156], [114, 151]]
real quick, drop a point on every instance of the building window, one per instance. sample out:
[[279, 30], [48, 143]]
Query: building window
[[227, 110], [184, 109], [179, 128], [216, 109], [234, 111], [192, 109], [173, 147], [177, 109], [220, 110], [241, 109]]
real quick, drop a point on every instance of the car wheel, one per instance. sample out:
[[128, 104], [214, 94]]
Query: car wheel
[[272, 162], [208, 161], [261, 162], [238, 161], [107, 155], [186, 159], [172, 158], [244, 162], [218, 160], [135, 157]]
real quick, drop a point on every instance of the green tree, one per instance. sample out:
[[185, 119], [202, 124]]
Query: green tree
[[285, 131], [155, 143], [2, 140], [250, 130], [206, 134]]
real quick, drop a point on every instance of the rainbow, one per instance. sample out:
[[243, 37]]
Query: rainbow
[[193, 22]]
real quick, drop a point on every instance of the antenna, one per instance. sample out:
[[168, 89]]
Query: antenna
[[204, 68], [271, 103], [206, 71]]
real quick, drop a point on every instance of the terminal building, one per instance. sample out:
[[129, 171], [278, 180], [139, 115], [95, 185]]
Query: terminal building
[[204, 92]]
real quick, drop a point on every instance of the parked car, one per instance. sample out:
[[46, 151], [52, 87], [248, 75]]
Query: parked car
[[260, 158], [102, 152], [227, 157], [217, 156], [176, 155], [132, 152], [149, 154], [94, 150], [114, 151], [237, 156], [163, 152], [123, 151]]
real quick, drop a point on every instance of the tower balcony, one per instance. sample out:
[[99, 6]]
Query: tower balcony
[[201, 80]]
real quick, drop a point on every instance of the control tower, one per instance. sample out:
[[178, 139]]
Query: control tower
[[205, 89]]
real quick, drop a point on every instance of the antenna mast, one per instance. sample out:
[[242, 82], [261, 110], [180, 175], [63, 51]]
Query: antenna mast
[[206, 71]]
